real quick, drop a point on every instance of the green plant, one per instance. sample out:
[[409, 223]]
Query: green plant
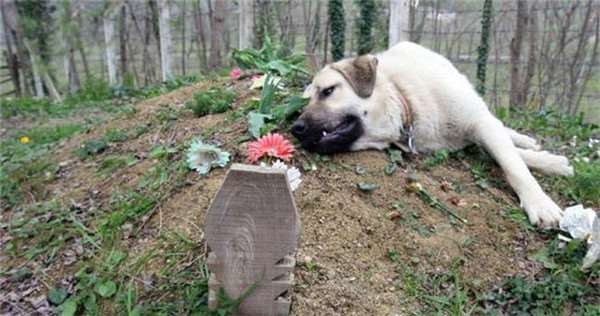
[[364, 26], [91, 147], [20, 106], [28, 164], [214, 100], [584, 186], [93, 89], [115, 136], [439, 293], [267, 117], [123, 208], [113, 163], [438, 158], [484, 46], [42, 230], [337, 28], [561, 284], [560, 129], [269, 60]]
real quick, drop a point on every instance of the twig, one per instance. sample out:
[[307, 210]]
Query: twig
[[433, 201]]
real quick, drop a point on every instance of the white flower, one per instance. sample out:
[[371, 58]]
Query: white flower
[[203, 157], [573, 141], [293, 174]]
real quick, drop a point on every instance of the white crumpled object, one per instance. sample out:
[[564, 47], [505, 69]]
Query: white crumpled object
[[583, 223], [594, 250], [578, 221], [293, 174]]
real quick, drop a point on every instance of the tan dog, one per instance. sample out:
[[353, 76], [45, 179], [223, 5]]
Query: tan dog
[[414, 98]]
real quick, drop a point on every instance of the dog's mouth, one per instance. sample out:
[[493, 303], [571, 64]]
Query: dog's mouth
[[341, 131], [331, 138]]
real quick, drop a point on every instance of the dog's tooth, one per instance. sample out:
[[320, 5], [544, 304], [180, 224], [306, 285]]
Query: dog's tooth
[[324, 133]]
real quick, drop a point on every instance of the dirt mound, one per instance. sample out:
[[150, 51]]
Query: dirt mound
[[351, 241]]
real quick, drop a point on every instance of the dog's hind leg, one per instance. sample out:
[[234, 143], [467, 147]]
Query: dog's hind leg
[[546, 162], [522, 141], [491, 133]]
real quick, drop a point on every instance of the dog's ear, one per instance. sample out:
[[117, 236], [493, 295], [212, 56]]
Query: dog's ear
[[360, 72]]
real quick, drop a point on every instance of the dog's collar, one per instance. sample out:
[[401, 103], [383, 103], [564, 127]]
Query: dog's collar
[[406, 141]]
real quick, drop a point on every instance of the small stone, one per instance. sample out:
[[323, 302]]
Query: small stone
[[394, 215]]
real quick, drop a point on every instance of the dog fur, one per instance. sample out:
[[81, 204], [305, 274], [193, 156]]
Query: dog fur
[[355, 104]]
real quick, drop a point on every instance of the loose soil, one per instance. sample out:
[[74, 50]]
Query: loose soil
[[343, 264]]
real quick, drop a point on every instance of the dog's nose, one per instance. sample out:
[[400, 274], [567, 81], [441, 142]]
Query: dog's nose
[[299, 128]]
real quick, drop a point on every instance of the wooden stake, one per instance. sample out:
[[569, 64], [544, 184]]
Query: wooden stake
[[252, 229]]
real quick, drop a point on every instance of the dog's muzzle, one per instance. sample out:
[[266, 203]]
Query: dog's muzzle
[[330, 135]]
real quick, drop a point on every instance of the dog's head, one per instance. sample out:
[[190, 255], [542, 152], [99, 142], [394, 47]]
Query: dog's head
[[341, 99]]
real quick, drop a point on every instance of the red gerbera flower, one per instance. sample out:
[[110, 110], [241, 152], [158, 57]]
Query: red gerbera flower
[[235, 73], [271, 145]]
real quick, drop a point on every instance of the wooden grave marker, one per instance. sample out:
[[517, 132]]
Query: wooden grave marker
[[252, 229]]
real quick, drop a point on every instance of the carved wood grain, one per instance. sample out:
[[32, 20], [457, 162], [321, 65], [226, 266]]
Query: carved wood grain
[[252, 229]]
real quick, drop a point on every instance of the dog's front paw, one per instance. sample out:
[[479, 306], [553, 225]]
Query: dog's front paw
[[565, 168], [557, 164], [530, 143], [542, 211]]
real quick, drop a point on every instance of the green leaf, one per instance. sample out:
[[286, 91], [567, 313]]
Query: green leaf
[[390, 168], [106, 289], [307, 166], [278, 66], [543, 257], [57, 295], [256, 121], [267, 95], [360, 170], [367, 187], [68, 308], [137, 311], [161, 151], [293, 106], [114, 258], [396, 156]]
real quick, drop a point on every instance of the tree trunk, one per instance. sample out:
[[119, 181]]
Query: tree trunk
[[311, 31], [183, 39], [516, 97], [133, 49], [286, 25], [109, 43], [74, 82], [483, 49], [12, 59], [399, 21], [246, 24], [326, 42], [201, 39], [155, 24], [69, 50], [37, 79], [592, 64], [216, 36], [41, 76], [532, 54], [123, 37], [80, 46], [147, 64], [165, 39], [577, 65], [337, 28]]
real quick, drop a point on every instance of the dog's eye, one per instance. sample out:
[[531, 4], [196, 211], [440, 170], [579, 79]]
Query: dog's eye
[[327, 92]]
